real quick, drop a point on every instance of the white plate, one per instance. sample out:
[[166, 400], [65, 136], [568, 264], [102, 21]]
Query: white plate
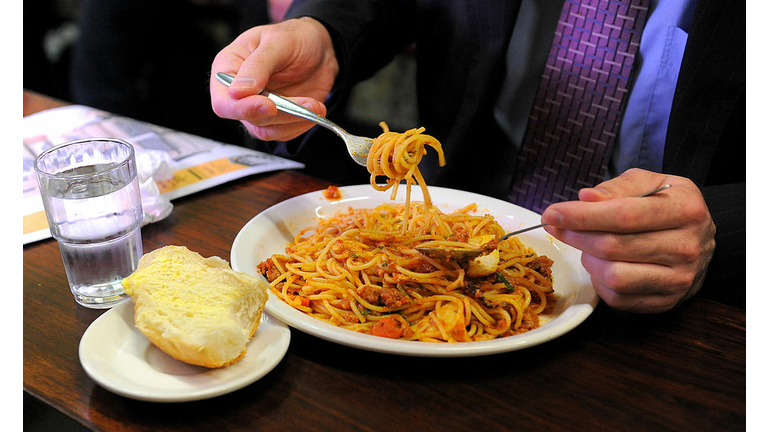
[[271, 230], [116, 355]]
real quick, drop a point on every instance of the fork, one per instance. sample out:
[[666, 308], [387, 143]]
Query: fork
[[357, 146], [456, 254]]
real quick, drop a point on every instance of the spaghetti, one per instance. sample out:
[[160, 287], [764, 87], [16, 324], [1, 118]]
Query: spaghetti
[[396, 156], [360, 270]]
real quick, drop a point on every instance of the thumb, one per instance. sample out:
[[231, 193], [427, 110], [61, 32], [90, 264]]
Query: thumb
[[632, 182], [251, 78], [258, 62]]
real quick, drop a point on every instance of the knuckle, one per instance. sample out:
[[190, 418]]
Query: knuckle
[[610, 246], [633, 172], [688, 251], [614, 279], [685, 283], [697, 213], [251, 112], [679, 284]]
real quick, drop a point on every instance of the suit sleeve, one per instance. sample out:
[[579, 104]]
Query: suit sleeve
[[727, 275], [706, 140], [367, 34]]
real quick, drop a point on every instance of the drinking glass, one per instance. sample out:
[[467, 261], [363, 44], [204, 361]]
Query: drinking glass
[[91, 196]]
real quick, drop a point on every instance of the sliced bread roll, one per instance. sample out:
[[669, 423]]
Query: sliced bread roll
[[197, 310]]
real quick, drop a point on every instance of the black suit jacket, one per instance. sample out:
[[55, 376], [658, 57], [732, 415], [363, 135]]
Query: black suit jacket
[[461, 47], [706, 140]]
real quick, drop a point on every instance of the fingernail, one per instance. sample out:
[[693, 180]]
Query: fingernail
[[603, 192], [242, 82], [264, 110], [552, 217]]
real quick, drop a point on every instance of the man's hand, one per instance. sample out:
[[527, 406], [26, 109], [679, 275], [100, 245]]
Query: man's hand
[[644, 254], [294, 59]]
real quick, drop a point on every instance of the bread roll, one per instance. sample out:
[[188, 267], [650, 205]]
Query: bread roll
[[197, 310]]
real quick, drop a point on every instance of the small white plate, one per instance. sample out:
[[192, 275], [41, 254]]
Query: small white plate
[[271, 230], [116, 355]]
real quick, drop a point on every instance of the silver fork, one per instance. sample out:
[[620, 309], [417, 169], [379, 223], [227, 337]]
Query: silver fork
[[460, 255], [357, 146]]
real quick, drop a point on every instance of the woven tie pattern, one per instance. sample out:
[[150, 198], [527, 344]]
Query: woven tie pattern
[[578, 106]]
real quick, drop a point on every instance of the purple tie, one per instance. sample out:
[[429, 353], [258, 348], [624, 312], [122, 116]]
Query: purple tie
[[578, 106]]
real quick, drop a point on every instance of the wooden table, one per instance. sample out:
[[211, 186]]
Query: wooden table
[[682, 370]]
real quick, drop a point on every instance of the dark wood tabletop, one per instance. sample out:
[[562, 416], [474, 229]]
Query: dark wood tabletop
[[680, 370]]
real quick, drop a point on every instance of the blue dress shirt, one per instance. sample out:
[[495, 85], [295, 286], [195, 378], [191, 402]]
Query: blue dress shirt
[[643, 130]]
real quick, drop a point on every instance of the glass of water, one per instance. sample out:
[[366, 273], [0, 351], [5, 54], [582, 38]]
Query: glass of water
[[91, 196]]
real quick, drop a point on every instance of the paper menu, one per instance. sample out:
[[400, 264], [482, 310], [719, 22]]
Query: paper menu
[[193, 163]]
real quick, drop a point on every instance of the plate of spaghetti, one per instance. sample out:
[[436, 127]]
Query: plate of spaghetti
[[342, 266]]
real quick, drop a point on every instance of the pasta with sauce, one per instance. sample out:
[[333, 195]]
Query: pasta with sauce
[[359, 270]]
